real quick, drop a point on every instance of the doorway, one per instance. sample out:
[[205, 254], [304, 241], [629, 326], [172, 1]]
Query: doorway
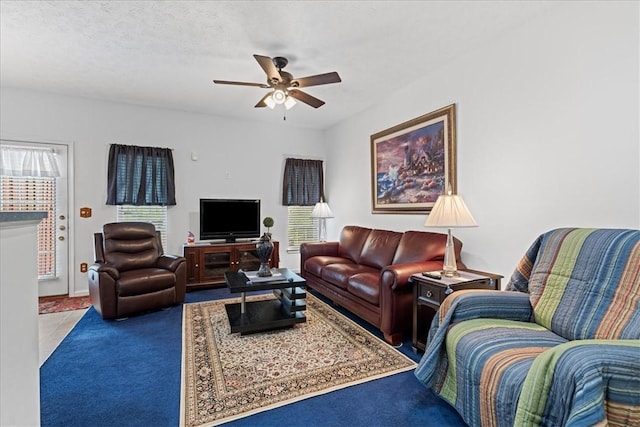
[[44, 193]]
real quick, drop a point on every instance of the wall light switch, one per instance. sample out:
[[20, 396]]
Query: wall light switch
[[84, 267], [85, 212]]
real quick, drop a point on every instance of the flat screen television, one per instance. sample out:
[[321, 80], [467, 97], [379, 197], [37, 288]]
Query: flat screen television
[[229, 219]]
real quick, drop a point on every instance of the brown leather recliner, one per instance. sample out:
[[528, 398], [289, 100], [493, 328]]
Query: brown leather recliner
[[131, 273]]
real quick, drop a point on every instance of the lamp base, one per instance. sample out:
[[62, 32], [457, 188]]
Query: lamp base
[[450, 273], [322, 229], [450, 268]]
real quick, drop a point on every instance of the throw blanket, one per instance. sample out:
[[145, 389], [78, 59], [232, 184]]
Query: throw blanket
[[562, 349], [584, 283]]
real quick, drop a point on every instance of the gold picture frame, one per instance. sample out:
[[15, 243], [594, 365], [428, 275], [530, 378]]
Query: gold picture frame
[[414, 162]]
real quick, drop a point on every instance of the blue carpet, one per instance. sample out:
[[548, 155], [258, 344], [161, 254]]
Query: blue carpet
[[127, 373]]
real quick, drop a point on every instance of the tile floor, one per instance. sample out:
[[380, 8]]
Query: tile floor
[[53, 327]]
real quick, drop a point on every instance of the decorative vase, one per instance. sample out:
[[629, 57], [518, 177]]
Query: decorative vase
[[264, 248]]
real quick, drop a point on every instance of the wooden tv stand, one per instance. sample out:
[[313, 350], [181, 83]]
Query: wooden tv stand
[[208, 262]]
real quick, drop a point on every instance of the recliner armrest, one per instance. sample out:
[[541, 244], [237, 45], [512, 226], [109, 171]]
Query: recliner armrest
[[99, 267], [170, 262]]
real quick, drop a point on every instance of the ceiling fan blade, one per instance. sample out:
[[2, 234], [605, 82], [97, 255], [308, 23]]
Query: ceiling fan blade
[[268, 66], [306, 98], [320, 79], [261, 103], [226, 82]]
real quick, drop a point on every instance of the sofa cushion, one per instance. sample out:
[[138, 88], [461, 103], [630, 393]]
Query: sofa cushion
[[352, 240], [339, 274], [379, 248], [314, 265], [366, 286], [418, 246]]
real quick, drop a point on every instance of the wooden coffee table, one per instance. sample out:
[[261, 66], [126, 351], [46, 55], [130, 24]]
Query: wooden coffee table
[[286, 309]]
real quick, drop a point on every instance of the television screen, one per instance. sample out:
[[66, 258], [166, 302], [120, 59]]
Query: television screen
[[229, 219]]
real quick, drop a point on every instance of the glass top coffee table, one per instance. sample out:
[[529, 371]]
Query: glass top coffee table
[[286, 309]]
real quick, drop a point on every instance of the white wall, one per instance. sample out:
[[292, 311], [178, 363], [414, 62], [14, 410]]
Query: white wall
[[548, 136], [20, 385], [547, 133], [252, 154]]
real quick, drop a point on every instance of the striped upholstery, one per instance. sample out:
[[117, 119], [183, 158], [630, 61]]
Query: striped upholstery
[[585, 282], [562, 349]]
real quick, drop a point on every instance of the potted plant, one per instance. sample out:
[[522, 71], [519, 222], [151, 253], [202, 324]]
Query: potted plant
[[268, 222]]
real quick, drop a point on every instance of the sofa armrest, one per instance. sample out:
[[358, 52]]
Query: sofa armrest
[[170, 262], [396, 297], [311, 249], [480, 303], [397, 276], [470, 304], [466, 305]]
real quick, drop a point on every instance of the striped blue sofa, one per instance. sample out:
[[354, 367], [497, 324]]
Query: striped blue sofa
[[559, 347]]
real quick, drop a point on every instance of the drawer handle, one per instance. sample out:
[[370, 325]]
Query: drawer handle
[[429, 294]]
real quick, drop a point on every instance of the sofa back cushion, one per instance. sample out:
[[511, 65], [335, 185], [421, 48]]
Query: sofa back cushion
[[585, 283], [352, 240], [418, 246], [379, 248]]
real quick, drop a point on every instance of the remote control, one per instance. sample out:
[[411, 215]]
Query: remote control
[[432, 275]]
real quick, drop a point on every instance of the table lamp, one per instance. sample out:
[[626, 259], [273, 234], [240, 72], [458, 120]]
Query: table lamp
[[322, 211], [450, 211]]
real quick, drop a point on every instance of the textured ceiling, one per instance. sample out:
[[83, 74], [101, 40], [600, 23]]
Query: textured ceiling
[[166, 53]]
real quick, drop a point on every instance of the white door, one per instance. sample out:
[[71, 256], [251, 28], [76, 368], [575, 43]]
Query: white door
[[48, 194]]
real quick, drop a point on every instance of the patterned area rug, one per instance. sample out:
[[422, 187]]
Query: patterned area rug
[[62, 303], [227, 376]]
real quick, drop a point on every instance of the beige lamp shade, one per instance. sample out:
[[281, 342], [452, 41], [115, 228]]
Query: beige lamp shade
[[450, 211], [321, 210]]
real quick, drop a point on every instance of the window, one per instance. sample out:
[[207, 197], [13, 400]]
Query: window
[[156, 215], [28, 183], [141, 183], [302, 188], [34, 194], [301, 227]]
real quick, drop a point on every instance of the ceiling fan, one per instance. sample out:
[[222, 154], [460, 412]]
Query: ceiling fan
[[284, 85]]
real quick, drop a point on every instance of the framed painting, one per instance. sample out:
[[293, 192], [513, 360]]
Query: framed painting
[[414, 162]]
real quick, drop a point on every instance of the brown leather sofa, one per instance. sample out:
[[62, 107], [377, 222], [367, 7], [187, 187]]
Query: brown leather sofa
[[131, 273], [367, 272]]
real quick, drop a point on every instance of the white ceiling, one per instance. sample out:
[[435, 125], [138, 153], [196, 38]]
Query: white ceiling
[[166, 53]]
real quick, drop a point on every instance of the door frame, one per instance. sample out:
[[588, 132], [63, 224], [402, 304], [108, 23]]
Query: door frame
[[70, 232]]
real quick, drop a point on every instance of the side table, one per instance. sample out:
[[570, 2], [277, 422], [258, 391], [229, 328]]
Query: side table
[[428, 294]]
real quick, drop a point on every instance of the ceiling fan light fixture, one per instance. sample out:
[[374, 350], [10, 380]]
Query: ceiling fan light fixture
[[270, 102], [290, 102], [282, 84], [278, 96]]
